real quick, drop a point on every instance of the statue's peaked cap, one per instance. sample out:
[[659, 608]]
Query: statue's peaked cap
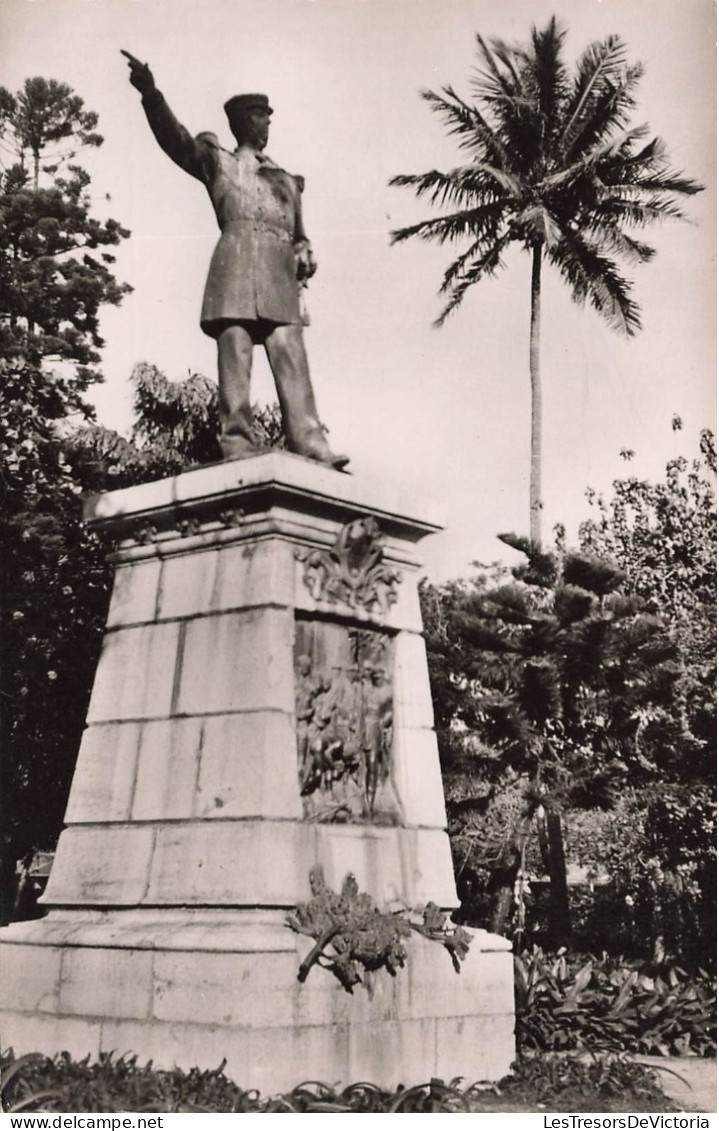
[[242, 102]]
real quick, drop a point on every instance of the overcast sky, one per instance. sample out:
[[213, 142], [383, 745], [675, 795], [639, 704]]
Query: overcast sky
[[443, 411]]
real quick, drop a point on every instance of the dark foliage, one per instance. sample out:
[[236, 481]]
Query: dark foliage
[[54, 593], [565, 1003], [549, 683], [55, 276], [35, 1083]]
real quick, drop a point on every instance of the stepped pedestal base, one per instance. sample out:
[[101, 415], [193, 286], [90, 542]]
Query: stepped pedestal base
[[199, 988], [261, 707]]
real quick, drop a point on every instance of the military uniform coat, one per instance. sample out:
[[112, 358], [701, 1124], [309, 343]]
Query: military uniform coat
[[253, 271]]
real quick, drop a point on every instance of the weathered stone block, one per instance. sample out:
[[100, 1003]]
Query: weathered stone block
[[134, 593], [248, 767], [104, 780], [483, 984], [290, 1055], [136, 673], [394, 865], [389, 1054], [372, 855], [50, 1033], [106, 982], [30, 979], [187, 584], [270, 1060], [428, 868], [245, 863], [256, 573], [417, 777], [225, 989], [237, 662], [105, 866], [183, 1044], [321, 1000], [167, 769], [412, 695], [476, 1048]]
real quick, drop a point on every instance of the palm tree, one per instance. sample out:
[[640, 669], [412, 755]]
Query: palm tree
[[554, 166]]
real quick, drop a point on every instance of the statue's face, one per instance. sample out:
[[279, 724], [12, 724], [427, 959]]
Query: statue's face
[[252, 127]]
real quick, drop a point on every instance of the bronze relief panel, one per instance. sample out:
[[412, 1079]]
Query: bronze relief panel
[[344, 721]]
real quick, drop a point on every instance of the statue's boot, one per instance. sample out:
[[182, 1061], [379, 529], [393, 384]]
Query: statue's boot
[[314, 446], [303, 431], [236, 447]]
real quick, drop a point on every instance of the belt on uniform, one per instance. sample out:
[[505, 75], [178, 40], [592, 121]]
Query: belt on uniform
[[260, 226]]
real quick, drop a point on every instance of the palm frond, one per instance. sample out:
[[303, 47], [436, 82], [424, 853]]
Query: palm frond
[[507, 181], [629, 209], [537, 224], [612, 147], [654, 151], [610, 236], [510, 58], [477, 223], [493, 84], [608, 111], [485, 266], [594, 276], [599, 62], [459, 186], [549, 74], [476, 133], [668, 181], [484, 227], [508, 90]]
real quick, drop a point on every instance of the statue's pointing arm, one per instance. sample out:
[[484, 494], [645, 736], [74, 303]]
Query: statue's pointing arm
[[187, 152]]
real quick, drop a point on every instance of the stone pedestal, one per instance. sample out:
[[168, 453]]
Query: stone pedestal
[[254, 603]]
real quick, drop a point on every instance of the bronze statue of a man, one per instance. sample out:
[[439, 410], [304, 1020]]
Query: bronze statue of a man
[[262, 257]]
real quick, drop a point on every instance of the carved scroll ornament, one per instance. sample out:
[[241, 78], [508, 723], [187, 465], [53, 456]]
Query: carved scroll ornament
[[353, 571]]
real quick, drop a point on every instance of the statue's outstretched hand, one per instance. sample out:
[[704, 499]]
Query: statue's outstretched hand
[[140, 74]]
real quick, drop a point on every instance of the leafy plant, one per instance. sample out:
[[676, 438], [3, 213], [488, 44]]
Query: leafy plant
[[602, 1083], [602, 1003], [593, 1083], [361, 937]]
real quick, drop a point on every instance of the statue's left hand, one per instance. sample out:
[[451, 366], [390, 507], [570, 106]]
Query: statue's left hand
[[306, 262]]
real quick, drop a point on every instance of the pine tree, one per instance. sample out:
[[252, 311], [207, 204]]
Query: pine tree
[[561, 685], [55, 269], [55, 276]]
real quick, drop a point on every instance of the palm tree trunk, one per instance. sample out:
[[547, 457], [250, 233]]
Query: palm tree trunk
[[535, 473]]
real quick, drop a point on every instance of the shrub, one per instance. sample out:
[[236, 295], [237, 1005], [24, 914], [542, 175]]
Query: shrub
[[605, 1003], [36, 1083]]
